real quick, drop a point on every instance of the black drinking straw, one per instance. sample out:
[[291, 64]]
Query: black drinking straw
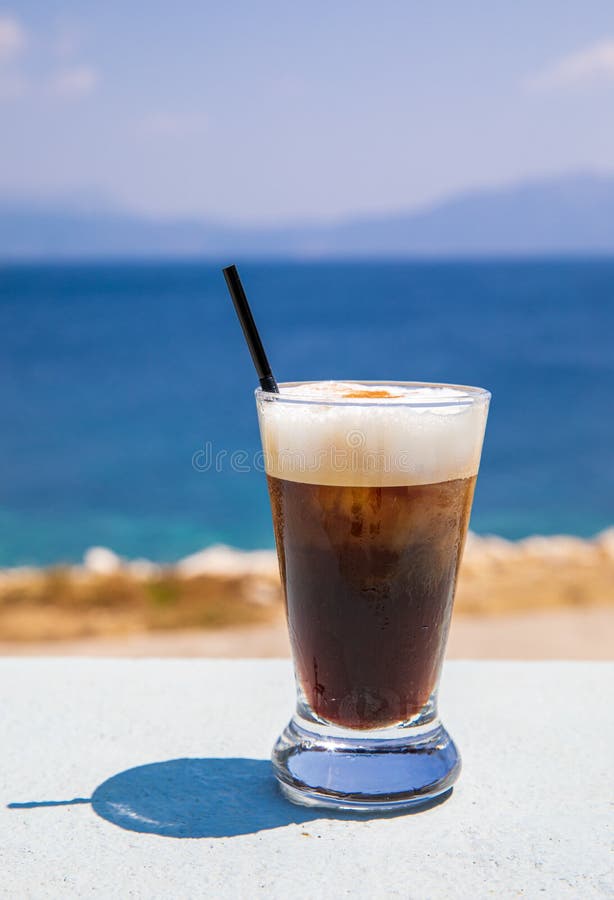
[[265, 376]]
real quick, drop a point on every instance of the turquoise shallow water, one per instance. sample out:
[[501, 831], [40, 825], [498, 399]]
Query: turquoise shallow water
[[113, 376]]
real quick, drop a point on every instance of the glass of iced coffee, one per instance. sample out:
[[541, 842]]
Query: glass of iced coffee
[[371, 488]]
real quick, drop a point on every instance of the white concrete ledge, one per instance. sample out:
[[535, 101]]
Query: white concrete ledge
[[201, 816]]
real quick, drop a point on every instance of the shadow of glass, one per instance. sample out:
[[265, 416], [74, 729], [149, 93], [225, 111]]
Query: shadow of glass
[[198, 798]]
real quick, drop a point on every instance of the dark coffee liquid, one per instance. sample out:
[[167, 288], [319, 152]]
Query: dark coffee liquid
[[369, 576]]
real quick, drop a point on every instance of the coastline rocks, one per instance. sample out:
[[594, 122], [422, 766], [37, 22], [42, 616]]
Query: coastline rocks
[[223, 587], [605, 543], [537, 572], [101, 561], [222, 560]]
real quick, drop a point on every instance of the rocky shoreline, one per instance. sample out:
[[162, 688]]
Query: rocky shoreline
[[221, 587]]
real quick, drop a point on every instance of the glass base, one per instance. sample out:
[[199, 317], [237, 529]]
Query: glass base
[[404, 766]]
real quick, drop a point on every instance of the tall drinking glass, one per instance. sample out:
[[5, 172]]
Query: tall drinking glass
[[371, 488]]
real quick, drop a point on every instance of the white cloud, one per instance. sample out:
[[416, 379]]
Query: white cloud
[[71, 81], [74, 82], [591, 65], [12, 37], [175, 125], [13, 40]]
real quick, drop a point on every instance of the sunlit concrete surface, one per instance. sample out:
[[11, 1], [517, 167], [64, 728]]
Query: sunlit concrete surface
[[150, 778]]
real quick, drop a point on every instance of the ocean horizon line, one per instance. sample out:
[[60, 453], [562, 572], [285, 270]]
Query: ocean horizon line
[[153, 259]]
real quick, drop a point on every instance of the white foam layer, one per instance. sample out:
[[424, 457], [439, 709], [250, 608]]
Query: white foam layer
[[349, 433]]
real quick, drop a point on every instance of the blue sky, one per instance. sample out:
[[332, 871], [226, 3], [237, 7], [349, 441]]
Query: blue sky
[[268, 111]]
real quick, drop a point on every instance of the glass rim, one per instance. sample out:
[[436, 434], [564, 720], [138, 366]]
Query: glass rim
[[467, 394]]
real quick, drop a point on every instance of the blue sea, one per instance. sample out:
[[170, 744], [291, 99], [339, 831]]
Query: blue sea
[[112, 378]]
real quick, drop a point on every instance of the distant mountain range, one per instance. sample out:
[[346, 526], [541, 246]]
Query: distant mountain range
[[573, 214]]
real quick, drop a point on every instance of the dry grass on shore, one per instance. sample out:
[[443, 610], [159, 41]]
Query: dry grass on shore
[[57, 603], [497, 577]]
